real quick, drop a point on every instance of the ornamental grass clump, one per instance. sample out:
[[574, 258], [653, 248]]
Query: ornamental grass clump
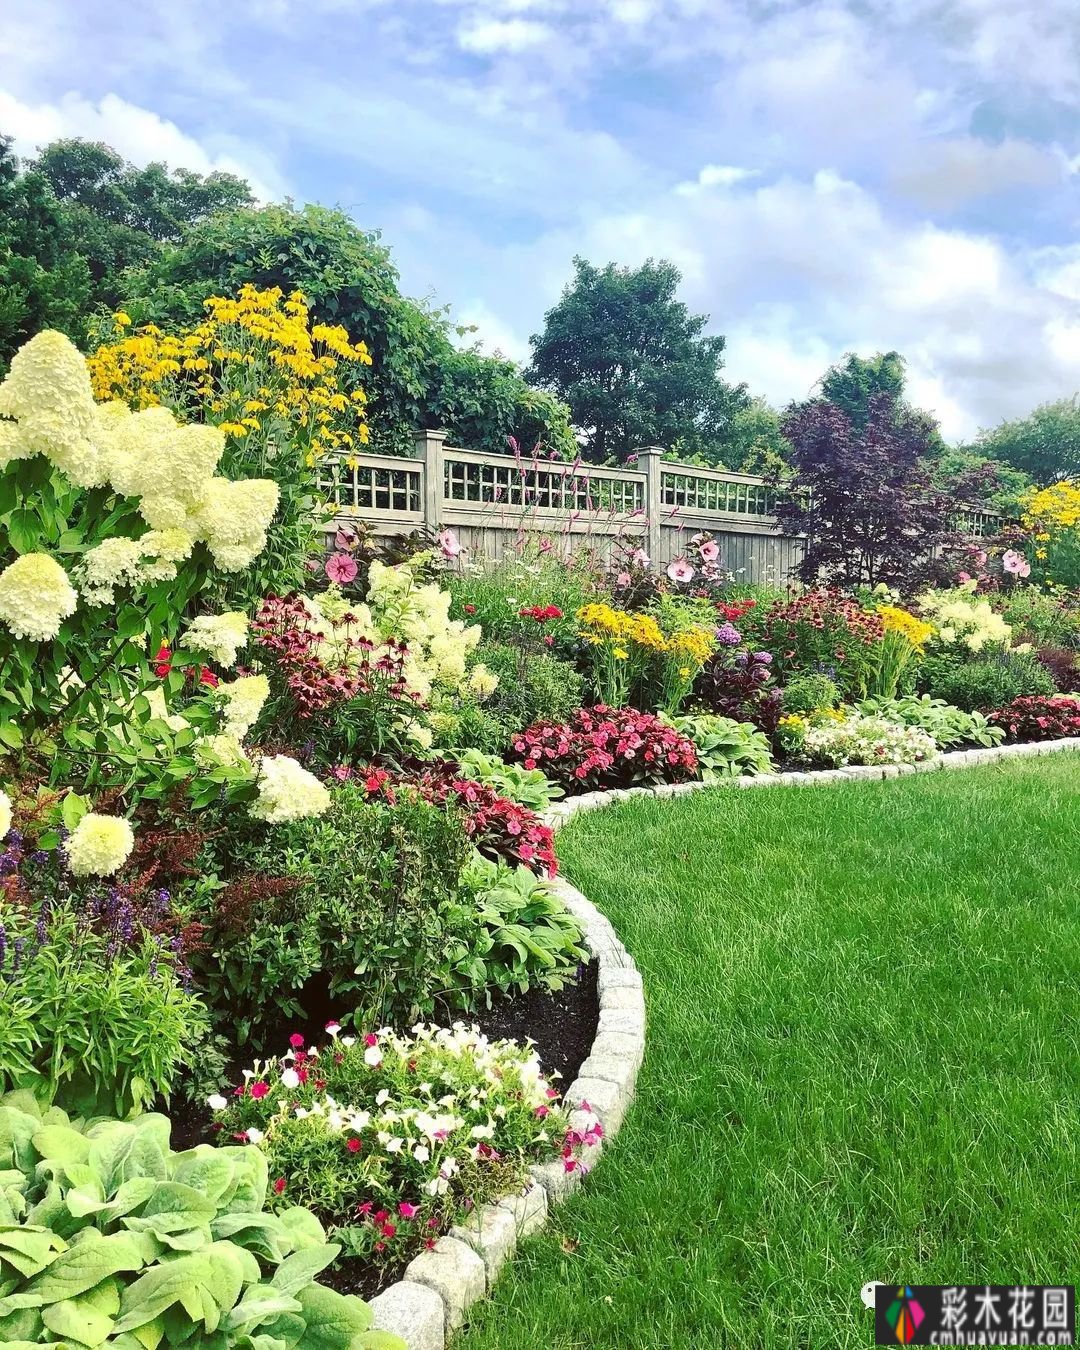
[[392, 1138], [108, 1238], [605, 747]]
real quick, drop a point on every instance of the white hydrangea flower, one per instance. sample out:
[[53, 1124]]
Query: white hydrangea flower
[[160, 712], [219, 635], [35, 597], [113, 563], [483, 682], [287, 792], [99, 845], [5, 814], [243, 701]]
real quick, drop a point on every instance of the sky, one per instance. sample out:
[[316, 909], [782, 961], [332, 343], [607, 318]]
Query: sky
[[829, 175]]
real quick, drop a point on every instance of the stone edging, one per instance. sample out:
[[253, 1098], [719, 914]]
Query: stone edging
[[429, 1303]]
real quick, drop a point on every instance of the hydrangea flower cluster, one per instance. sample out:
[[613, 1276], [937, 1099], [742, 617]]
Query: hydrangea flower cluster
[[99, 845], [242, 701], [958, 618], [170, 470], [35, 597], [399, 606], [607, 747], [219, 635], [287, 792], [400, 1132]]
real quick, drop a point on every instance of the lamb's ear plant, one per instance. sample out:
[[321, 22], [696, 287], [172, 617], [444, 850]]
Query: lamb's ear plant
[[108, 1238]]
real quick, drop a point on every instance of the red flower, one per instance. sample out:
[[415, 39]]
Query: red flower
[[279, 1186], [296, 1040], [259, 1089], [353, 1144], [470, 609], [208, 678], [163, 661]]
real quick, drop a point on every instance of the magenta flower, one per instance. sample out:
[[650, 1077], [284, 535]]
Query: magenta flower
[[448, 542], [407, 1211], [340, 567], [680, 571]]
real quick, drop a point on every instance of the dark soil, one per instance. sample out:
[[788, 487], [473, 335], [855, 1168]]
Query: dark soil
[[562, 1026]]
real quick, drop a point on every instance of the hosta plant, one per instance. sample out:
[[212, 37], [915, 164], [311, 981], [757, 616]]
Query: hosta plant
[[527, 787], [108, 1238], [946, 724], [725, 748]]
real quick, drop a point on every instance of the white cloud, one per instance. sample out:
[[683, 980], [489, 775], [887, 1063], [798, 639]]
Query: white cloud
[[715, 175], [945, 174], [136, 133], [487, 37]]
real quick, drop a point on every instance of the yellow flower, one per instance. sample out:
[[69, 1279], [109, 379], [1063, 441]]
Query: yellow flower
[[620, 653], [123, 320]]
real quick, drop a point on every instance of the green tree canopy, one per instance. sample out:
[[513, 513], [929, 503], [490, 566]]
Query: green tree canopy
[[853, 382], [1045, 444], [418, 378], [43, 284], [633, 364]]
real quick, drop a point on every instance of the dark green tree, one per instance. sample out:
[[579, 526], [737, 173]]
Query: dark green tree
[[42, 283], [633, 364], [852, 383], [1045, 444]]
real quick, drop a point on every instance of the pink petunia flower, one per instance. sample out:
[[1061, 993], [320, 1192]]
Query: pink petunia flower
[[408, 1211], [340, 567]]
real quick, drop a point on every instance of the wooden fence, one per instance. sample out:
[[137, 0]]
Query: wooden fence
[[491, 501]]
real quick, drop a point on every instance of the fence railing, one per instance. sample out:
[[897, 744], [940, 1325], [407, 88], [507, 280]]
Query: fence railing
[[491, 500]]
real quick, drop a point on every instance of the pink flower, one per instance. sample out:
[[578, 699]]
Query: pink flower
[[259, 1090], [279, 1186], [1015, 563], [680, 571], [353, 1145], [623, 579], [296, 1040], [448, 542], [640, 558], [963, 576], [407, 1211], [340, 567], [345, 538]]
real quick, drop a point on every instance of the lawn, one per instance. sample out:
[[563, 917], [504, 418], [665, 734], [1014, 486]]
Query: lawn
[[862, 1063]]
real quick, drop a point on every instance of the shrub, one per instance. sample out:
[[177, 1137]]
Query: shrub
[[947, 725], [737, 684], [859, 739], [378, 905], [988, 682], [527, 787], [1051, 515], [1043, 618], [725, 749], [527, 936], [820, 631], [533, 687], [1039, 719], [395, 1136], [808, 693], [1063, 666], [110, 1238], [607, 747]]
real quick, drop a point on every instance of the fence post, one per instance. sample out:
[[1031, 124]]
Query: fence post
[[649, 457], [429, 448]]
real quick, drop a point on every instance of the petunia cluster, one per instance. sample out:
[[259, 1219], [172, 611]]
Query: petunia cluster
[[399, 1135], [858, 739]]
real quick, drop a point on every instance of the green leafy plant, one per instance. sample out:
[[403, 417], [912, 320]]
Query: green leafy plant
[[948, 725], [808, 693], [533, 687], [528, 935], [725, 748], [988, 681], [528, 787], [108, 1238]]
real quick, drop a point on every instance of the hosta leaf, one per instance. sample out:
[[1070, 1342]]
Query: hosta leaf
[[29, 1250], [210, 1171], [303, 1227], [24, 1325], [259, 1233]]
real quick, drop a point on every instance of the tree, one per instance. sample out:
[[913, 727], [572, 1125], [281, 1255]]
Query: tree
[[633, 365], [42, 283], [417, 378], [757, 441], [863, 496], [1045, 444], [117, 216], [855, 381]]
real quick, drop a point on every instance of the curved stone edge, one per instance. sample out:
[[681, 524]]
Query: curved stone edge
[[431, 1300], [560, 812]]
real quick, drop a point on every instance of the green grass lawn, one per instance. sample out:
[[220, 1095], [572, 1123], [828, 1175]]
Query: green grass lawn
[[863, 1063]]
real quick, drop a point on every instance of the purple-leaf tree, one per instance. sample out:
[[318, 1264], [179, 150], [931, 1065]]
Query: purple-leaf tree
[[863, 496]]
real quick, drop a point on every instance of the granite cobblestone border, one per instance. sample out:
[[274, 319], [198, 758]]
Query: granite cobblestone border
[[432, 1299]]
